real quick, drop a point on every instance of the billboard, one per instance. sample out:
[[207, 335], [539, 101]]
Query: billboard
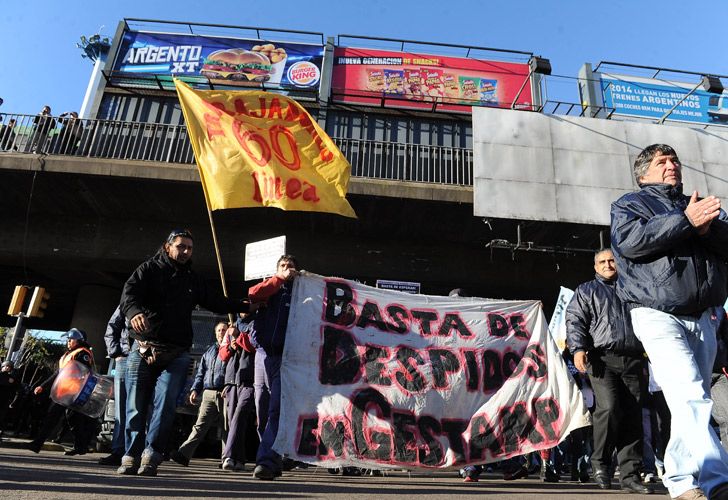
[[652, 98], [224, 61], [410, 80]]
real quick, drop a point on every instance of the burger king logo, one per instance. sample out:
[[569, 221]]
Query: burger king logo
[[304, 74]]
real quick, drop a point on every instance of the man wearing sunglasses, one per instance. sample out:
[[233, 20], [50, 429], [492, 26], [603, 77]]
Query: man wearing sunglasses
[[158, 300]]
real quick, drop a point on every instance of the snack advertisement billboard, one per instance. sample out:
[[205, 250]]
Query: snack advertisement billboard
[[652, 98], [411, 80], [225, 61]]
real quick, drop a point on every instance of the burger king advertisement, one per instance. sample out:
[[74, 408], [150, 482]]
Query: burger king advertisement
[[224, 61], [412, 80]]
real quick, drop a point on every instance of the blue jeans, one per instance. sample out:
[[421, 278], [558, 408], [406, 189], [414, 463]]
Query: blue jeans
[[682, 350], [262, 392], [145, 384], [117, 440], [267, 457]]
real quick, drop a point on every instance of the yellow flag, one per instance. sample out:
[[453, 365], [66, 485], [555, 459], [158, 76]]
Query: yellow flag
[[259, 149]]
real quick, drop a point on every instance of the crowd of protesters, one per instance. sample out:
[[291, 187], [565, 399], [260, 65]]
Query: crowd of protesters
[[646, 344]]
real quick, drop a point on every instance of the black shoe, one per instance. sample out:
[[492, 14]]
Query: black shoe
[[519, 473], [179, 458], [584, 475], [71, 453], [548, 472], [603, 480], [287, 464], [351, 471], [264, 473], [110, 460], [35, 447], [634, 485]]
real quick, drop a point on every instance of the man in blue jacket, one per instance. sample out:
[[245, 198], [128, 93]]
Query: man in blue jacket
[[209, 383], [671, 252], [600, 338]]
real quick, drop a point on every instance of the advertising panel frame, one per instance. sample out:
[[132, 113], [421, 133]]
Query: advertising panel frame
[[426, 82], [281, 74]]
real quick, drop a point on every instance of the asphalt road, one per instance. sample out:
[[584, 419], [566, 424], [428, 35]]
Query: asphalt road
[[51, 475]]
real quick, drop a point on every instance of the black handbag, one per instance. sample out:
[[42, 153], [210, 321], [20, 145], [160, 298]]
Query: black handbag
[[158, 355]]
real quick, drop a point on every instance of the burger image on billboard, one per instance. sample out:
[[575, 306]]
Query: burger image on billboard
[[238, 65]]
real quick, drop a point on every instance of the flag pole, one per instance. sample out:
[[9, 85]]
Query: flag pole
[[207, 205], [217, 248]]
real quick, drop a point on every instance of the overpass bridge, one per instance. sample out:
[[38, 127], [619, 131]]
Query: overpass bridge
[[79, 218]]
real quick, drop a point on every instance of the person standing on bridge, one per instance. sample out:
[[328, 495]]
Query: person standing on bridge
[[43, 125], [158, 300]]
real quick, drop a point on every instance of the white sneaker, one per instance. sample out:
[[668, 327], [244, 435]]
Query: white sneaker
[[229, 464]]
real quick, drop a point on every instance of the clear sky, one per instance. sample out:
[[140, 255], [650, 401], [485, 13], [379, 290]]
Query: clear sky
[[40, 64]]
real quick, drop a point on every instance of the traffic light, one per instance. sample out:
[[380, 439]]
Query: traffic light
[[38, 302], [16, 303]]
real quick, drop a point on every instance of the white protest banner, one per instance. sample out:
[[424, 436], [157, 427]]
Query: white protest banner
[[383, 379], [557, 325]]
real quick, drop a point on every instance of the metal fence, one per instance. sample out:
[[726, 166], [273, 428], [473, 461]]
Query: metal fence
[[156, 142]]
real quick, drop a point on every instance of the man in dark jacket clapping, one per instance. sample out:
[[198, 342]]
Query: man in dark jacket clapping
[[671, 252], [600, 337]]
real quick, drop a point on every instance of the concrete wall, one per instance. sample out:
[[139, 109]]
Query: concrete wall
[[188, 173], [569, 169]]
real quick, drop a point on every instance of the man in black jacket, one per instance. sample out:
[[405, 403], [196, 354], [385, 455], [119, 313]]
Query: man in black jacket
[[600, 337], [671, 252], [158, 300]]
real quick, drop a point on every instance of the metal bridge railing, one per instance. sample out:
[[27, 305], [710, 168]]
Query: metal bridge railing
[[156, 142]]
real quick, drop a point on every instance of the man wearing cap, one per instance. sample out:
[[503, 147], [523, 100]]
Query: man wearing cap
[[158, 300], [82, 426]]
